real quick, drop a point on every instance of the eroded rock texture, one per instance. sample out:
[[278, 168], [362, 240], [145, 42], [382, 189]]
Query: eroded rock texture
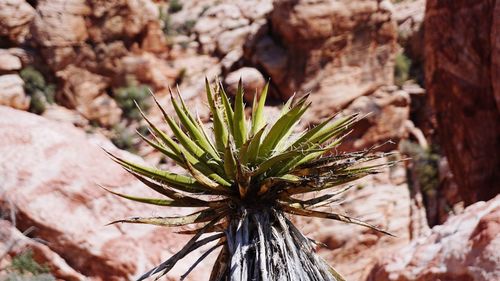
[[15, 18], [465, 248], [12, 92], [336, 49], [49, 174], [13, 242], [461, 49]]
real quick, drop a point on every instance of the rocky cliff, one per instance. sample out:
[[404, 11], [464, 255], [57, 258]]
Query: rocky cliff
[[461, 52], [463, 248], [80, 64], [50, 173]]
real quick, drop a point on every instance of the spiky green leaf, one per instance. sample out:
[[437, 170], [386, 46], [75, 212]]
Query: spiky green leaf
[[258, 120], [239, 125], [195, 131], [220, 130], [280, 129], [152, 201], [333, 216]]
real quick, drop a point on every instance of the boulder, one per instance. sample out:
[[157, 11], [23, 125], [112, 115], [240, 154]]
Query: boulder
[[86, 92], [252, 79], [217, 20], [272, 58], [255, 10], [461, 79], [463, 248], [15, 19], [95, 35], [332, 48], [49, 173], [385, 123], [13, 242], [122, 19], [106, 59], [196, 68], [64, 115], [9, 62], [12, 92], [232, 39], [80, 86], [386, 110], [231, 59], [60, 23], [59, 58], [26, 56], [154, 39], [221, 27], [104, 110], [149, 69]]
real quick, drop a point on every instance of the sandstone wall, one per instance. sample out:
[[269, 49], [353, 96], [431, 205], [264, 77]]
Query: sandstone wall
[[461, 77]]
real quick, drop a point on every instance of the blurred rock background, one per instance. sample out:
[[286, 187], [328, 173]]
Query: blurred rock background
[[428, 72]]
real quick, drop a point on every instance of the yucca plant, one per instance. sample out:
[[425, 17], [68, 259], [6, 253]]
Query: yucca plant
[[245, 180]]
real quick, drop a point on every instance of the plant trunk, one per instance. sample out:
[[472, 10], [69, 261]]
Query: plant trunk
[[263, 245]]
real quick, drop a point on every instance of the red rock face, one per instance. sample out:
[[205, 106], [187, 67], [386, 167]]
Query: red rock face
[[342, 52], [48, 176], [461, 49], [336, 49], [495, 53], [15, 17], [465, 248], [13, 242]]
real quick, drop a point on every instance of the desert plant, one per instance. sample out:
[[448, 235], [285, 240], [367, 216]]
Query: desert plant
[[127, 96], [401, 69], [187, 27], [181, 76], [41, 92], [425, 161], [174, 6], [423, 177], [122, 137], [24, 268], [245, 180], [25, 277], [24, 263], [170, 28]]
